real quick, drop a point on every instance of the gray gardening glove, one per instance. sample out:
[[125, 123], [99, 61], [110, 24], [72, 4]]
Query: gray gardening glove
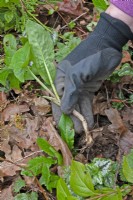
[[82, 72]]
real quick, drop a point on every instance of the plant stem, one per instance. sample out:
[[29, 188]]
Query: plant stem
[[41, 83], [51, 81], [54, 100]]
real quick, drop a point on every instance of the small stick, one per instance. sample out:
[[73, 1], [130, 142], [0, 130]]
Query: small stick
[[74, 20]]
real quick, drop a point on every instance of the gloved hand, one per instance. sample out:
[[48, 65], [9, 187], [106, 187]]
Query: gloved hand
[[82, 72]]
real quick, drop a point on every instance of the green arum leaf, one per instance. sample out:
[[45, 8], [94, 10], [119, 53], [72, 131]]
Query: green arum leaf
[[127, 167], [100, 4], [4, 75], [19, 184], [42, 49], [8, 16], [13, 81], [24, 196], [20, 61], [62, 190], [10, 47], [67, 130], [36, 165], [47, 148], [80, 180]]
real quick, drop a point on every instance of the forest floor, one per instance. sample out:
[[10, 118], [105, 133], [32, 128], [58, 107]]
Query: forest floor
[[24, 113]]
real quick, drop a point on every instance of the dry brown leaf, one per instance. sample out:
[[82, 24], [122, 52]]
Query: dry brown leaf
[[5, 147], [29, 180], [6, 194], [99, 104], [8, 169], [126, 136], [71, 7], [128, 115], [117, 123], [3, 101], [3, 98], [41, 106], [13, 109], [81, 158], [126, 142], [56, 141], [126, 57]]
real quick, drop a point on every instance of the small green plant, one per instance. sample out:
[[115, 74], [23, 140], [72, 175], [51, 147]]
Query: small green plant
[[96, 181], [63, 49], [125, 70]]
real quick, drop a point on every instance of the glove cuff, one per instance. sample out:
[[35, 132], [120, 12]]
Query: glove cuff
[[116, 31]]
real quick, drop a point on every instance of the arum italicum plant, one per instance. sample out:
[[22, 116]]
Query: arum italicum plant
[[40, 48]]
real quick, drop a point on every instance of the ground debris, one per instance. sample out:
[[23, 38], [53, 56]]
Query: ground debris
[[118, 126]]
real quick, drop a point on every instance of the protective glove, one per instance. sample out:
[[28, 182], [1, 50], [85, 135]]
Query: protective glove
[[82, 72]]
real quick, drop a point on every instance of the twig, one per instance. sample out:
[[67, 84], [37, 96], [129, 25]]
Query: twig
[[37, 181], [99, 196], [73, 20], [28, 156], [57, 12]]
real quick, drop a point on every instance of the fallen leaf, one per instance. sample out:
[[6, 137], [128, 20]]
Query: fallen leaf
[[117, 123], [8, 169], [29, 180], [41, 106], [3, 101], [56, 141], [71, 7], [118, 126], [13, 109], [128, 115], [99, 104], [81, 158], [6, 194], [5, 147], [126, 142], [126, 57]]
